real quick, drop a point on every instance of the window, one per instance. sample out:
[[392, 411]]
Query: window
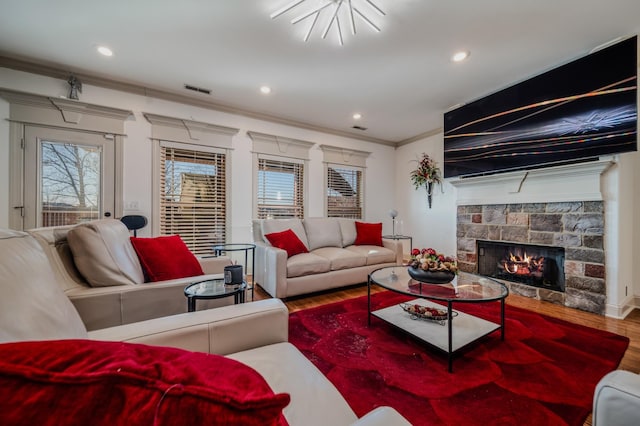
[[344, 192], [193, 197], [280, 189]]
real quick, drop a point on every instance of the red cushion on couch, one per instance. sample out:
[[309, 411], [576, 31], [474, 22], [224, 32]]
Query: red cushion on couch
[[81, 382], [287, 240], [368, 234], [166, 258]]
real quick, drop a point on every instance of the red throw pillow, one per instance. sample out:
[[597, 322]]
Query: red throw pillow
[[368, 234], [166, 258], [82, 382], [287, 240]]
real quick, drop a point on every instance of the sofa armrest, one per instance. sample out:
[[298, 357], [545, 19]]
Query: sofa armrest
[[396, 247], [271, 269], [103, 307], [214, 264], [218, 331], [616, 400], [382, 416]]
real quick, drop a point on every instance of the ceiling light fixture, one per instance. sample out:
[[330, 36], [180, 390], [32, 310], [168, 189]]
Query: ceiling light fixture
[[357, 116], [265, 90], [460, 56], [104, 50], [350, 10]]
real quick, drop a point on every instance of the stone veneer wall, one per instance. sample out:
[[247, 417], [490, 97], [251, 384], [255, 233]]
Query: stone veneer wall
[[576, 226]]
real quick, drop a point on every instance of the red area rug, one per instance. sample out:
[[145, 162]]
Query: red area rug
[[544, 373]]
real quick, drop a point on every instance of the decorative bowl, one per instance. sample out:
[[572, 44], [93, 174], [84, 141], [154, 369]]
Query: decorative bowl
[[430, 277], [426, 312]]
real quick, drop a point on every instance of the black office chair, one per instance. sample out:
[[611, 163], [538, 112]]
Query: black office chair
[[134, 222]]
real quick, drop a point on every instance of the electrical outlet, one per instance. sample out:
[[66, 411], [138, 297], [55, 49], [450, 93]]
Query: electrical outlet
[[133, 205]]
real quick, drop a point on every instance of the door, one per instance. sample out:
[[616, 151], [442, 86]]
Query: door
[[69, 177]]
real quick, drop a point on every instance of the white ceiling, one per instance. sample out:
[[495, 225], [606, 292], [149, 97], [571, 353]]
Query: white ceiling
[[401, 80]]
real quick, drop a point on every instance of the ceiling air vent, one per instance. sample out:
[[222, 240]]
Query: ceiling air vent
[[359, 128], [197, 89]]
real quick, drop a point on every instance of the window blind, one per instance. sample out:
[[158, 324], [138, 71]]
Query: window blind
[[193, 197], [280, 189], [344, 192]]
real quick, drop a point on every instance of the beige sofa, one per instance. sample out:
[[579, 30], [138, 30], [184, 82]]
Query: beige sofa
[[123, 296], [33, 307], [333, 259]]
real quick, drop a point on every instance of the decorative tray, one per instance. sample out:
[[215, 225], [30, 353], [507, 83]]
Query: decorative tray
[[426, 312]]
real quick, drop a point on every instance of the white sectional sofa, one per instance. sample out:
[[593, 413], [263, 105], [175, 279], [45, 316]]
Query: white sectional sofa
[[332, 261], [34, 308]]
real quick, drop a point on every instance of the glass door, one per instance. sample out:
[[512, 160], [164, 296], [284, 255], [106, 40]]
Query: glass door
[[69, 177]]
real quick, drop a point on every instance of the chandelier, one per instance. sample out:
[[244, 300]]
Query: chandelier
[[331, 12]]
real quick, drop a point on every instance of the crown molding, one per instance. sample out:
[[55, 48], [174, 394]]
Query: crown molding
[[56, 71], [416, 138]]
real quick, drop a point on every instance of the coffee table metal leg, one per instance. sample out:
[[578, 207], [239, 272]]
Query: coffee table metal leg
[[191, 304], [502, 319], [369, 300], [450, 326]]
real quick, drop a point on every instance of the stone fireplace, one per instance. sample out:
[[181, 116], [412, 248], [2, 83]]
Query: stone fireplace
[[574, 228]]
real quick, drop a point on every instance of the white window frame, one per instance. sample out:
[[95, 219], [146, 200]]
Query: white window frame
[[193, 135], [280, 148], [360, 193], [344, 158]]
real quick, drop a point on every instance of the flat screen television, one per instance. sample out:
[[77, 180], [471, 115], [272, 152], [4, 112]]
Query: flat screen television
[[576, 112]]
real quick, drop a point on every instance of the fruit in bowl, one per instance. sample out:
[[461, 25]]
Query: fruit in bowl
[[429, 266]]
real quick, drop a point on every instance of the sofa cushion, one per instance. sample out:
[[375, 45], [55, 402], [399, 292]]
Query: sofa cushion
[[107, 383], [341, 258], [166, 258], [278, 225], [288, 241], [103, 253], [369, 234], [374, 254], [315, 400], [32, 304], [307, 264], [348, 231], [323, 232]]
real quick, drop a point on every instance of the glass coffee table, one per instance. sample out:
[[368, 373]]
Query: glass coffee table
[[213, 289], [453, 330]]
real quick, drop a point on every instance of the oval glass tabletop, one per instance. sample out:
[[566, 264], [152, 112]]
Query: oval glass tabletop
[[213, 288], [465, 287]]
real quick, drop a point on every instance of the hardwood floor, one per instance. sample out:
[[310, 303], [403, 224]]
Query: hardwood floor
[[629, 327]]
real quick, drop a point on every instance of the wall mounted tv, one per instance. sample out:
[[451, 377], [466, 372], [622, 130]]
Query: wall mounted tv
[[576, 112]]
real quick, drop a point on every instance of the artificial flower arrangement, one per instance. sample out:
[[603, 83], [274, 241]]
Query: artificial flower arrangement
[[428, 259], [426, 173]]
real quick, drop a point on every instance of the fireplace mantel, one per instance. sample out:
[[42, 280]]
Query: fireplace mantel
[[572, 182]]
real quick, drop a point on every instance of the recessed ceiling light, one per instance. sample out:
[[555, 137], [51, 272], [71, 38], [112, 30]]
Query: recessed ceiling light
[[357, 116], [104, 50], [265, 90], [460, 56]]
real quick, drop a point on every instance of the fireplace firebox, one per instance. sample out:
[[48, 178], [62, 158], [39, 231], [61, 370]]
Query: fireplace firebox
[[534, 265]]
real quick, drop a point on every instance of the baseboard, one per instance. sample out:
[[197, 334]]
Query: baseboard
[[621, 311]]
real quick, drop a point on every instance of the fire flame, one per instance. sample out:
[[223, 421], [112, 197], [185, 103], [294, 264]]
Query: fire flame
[[523, 265]]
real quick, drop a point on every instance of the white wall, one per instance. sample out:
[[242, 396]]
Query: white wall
[[430, 227], [379, 182], [4, 164]]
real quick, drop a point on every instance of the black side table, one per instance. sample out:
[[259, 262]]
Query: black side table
[[220, 249], [213, 289]]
